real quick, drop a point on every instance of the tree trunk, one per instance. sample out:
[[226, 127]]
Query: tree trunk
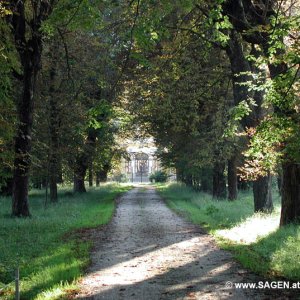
[[20, 205], [53, 189], [54, 131], [82, 161], [262, 192], [79, 176], [290, 179], [97, 179], [28, 42], [91, 174], [232, 178], [241, 68], [290, 211], [219, 183], [237, 13], [102, 175]]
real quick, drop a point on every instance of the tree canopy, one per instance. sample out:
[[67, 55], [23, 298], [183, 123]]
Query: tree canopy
[[216, 83]]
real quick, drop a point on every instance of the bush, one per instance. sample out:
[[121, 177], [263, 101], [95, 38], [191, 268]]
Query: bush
[[122, 178], [159, 176]]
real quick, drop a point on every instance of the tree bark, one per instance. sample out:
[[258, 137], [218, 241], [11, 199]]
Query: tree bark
[[82, 162], [262, 188], [219, 183], [20, 205], [79, 176], [80, 173], [232, 178], [53, 129], [97, 179], [290, 211]]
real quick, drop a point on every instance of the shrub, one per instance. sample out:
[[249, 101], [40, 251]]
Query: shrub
[[122, 178], [159, 176]]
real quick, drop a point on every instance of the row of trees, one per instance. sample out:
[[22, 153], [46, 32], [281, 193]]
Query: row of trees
[[61, 67], [215, 82], [219, 91]]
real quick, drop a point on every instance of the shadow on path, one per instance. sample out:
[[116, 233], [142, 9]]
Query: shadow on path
[[147, 252]]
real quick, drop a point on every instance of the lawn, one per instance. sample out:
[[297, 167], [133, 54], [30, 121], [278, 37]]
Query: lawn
[[255, 239], [47, 247]]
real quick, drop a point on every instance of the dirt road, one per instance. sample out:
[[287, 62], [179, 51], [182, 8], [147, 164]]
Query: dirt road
[[148, 252]]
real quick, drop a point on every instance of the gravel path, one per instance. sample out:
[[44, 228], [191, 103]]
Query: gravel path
[[147, 252]]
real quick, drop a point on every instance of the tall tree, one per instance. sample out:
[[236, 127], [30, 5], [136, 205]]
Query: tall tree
[[249, 19], [26, 23]]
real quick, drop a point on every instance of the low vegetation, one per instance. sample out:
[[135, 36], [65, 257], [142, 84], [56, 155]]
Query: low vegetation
[[47, 246], [256, 239]]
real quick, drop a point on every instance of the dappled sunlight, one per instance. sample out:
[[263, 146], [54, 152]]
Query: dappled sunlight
[[147, 266], [214, 273], [252, 229], [178, 267]]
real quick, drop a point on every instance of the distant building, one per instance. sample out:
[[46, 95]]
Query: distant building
[[141, 160]]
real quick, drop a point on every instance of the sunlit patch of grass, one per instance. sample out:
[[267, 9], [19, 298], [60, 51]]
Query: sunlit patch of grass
[[252, 228], [255, 239], [49, 254]]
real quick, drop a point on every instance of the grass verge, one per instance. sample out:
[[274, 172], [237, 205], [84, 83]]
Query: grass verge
[[50, 256], [255, 239]]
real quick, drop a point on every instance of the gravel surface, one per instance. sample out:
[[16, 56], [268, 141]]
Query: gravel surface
[[147, 252]]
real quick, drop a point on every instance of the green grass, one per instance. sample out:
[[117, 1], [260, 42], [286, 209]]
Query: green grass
[[47, 246], [255, 239]]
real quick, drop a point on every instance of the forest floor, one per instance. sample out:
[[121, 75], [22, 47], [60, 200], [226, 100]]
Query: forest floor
[[147, 252]]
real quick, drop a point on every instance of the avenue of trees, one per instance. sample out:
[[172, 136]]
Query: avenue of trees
[[216, 83]]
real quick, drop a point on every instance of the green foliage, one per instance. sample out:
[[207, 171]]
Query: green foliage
[[182, 105], [158, 176], [73, 15], [266, 144], [211, 209], [236, 114], [48, 246], [3, 10], [8, 61]]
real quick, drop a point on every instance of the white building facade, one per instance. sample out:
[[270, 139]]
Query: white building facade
[[141, 161]]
